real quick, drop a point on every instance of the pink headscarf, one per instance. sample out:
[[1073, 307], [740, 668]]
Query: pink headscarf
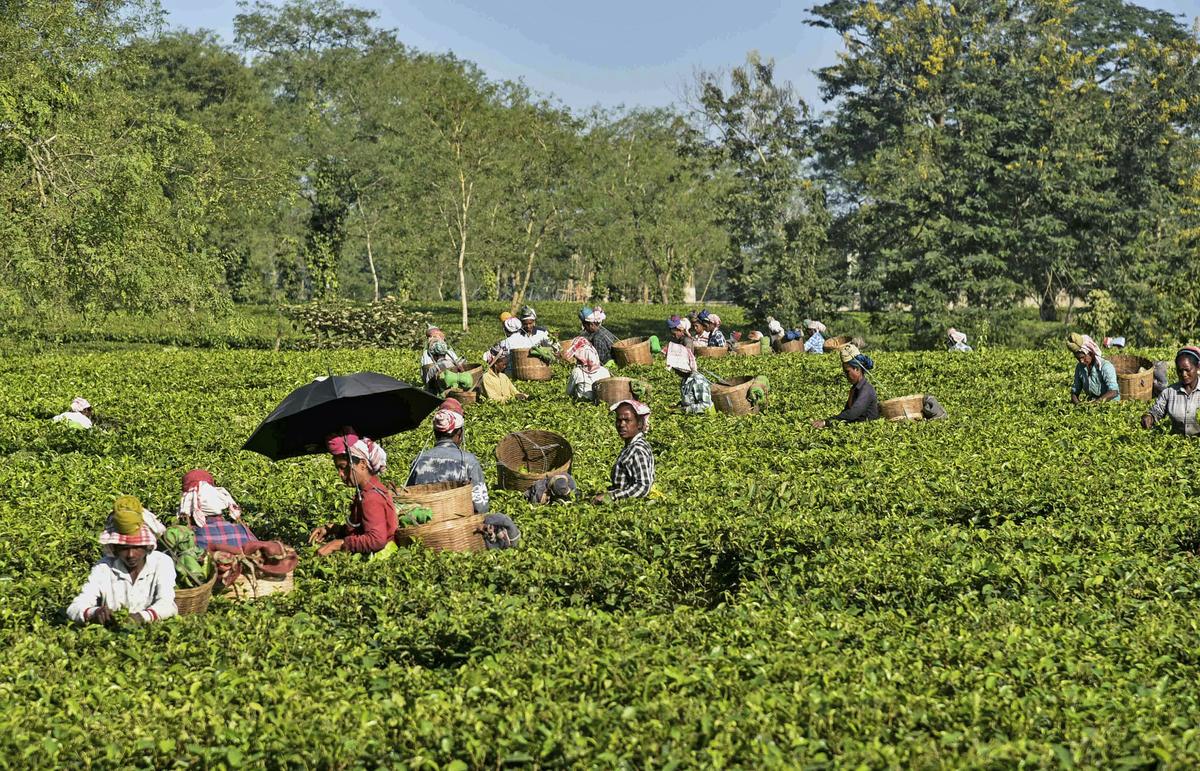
[[639, 409], [79, 404], [1089, 345], [584, 353], [449, 418], [202, 499], [512, 325], [348, 443]]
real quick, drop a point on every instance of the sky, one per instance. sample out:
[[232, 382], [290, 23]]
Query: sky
[[602, 52]]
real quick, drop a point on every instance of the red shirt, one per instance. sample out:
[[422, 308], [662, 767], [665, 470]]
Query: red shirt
[[372, 520]]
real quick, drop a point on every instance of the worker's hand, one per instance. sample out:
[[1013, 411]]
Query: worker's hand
[[522, 397], [330, 548], [137, 619], [1147, 421], [819, 424], [101, 615], [319, 534], [600, 499], [1074, 398]]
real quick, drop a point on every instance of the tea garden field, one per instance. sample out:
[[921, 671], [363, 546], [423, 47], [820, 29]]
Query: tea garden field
[[1016, 585]]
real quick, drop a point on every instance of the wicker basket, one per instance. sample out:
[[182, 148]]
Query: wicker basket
[[195, 601], [461, 534], [611, 390], [247, 587], [733, 399], [903, 408], [792, 346], [526, 367], [749, 349], [633, 350], [524, 457], [447, 500], [464, 397], [835, 344], [711, 352], [1135, 376]]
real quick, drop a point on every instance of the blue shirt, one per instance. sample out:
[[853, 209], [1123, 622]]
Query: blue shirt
[[815, 344], [1096, 380]]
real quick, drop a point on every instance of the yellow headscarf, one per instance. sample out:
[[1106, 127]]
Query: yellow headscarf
[[127, 514]]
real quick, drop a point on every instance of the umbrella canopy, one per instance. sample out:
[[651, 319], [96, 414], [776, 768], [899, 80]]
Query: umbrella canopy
[[375, 405]]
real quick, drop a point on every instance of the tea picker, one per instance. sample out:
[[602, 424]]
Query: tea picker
[[862, 403]]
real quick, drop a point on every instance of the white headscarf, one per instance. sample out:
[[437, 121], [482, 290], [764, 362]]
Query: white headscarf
[[204, 501]]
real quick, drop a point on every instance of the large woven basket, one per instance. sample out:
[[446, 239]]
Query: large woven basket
[[526, 367], [524, 457], [447, 500], [611, 390], [792, 346], [835, 343], [903, 408], [733, 399], [459, 534], [195, 601], [633, 350], [464, 397], [711, 352], [246, 587], [749, 349], [1135, 376]]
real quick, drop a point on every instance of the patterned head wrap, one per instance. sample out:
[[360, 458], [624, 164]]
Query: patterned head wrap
[[584, 353], [79, 404], [591, 315], [449, 417], [350, 444], [639, 409], [713, 319], [438, 347], [599, 315], [1189, 350], [956, 336], [141, 536], [674, 322], [754, 336], [1077, 343], [527, 313], [127, 514], [815, 326], [505, 316], [433, 333], [497, 351], [851, 355], [202, 499], [774, 327], [680, 358], [512, 324]]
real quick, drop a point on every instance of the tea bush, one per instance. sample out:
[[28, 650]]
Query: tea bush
[[1017, 585]]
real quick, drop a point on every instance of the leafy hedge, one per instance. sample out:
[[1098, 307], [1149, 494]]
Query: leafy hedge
[[1016, 585]]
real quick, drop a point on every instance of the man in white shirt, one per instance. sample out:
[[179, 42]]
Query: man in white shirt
[[80, 413]]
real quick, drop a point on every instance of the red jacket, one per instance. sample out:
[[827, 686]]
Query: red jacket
[[372, 520]]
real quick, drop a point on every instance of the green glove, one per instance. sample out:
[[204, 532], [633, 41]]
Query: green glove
[[460, 380], [655, 345], [756, 395], [543, 353]]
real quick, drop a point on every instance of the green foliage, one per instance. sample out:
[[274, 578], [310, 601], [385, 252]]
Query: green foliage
[[1013, 586], [385, 324]]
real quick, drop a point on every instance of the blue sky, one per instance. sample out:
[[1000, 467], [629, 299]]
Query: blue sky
[[606, 52]]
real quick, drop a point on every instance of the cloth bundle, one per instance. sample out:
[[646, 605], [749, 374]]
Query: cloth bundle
[[255, 558], [543, 353], [191, 566], [932, 409], [499, 531], [759, 390], [559, 488], [415, 515], [462, 381]]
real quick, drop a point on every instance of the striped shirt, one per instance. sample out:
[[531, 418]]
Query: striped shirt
[[695, 393], [602, 341], [633, 473], [1180, 406]]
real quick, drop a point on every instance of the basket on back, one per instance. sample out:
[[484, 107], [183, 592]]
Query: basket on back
[[526, 367], [195, 600], [1135, 376], [447, 500], [835, 343], [749, 349], [524, 457], [711, 351], [454, 523], [792, 346], [633, 350], [903, 408], [611, 390], [734, 399], [459, 534], [471, 396]]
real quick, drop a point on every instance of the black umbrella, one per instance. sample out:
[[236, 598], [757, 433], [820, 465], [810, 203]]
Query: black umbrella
[[375, 405]]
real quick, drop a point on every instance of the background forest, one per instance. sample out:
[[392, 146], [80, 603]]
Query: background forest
[[975, 156]]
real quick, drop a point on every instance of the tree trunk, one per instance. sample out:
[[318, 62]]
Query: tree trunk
[[1046, 309], [689, 287], [519, 297], [708, 283], [465, 190], [370, 254]]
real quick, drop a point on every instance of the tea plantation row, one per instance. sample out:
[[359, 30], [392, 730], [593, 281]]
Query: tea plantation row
[[1015, 585]]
